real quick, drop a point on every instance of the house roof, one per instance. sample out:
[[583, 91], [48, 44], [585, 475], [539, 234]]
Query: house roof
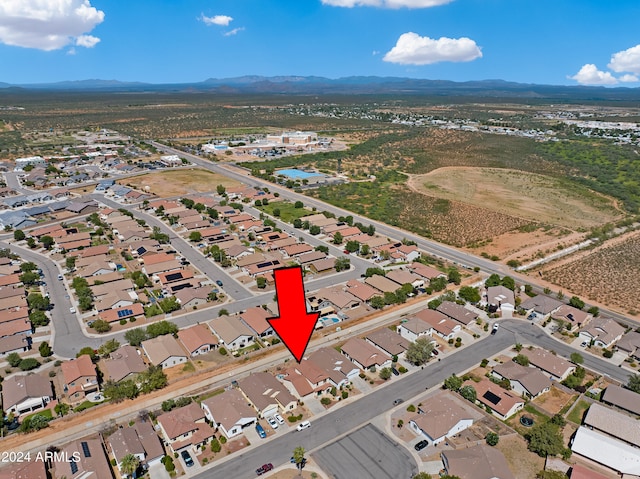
[[439, 414], [13, 343], [310, 257], [389, 341], [16, 389], [416, 325], [336, 296], [541, 304], [229, 328], [24, 470], [124, 312], [457, 312], [500, 294], [532, 379], [440, 323], [403, 277], [161, 348], [256, 319], [323, 264], [606, 450], [125, 441], [425, 271], [228, 408], [604, 329], [123, 361], [630, 342], [492, 395], [263, 389], [381, 283], [477, 462], [364, 353], [362, 291], [182, 420], [78, 368], [569, 313], [548, 362], [93, 461], [188, 294], [196, 336], [581, 472], [623, 398], [613, 423]]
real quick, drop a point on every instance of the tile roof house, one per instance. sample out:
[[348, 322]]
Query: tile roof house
[[23, 394], [613, 423], [185, 427], [476, 462], [123, 363], [14, 343], [607, 450], [457, 312], [604, 332], [413, 328], [229, 412], [502, 403], [140, 440], [382, 284], [391, 343], [528, 381], [190, 298], [232, 332], [574, 316], [334, 298], [556, 367], [80, 378], [540, 306], [402, 277], [365, 355], [630, 344], [266, 394], [362, 291], [256, 319], [87, 460], [425, 271], [198, 339], [164, 351], [440, 417], [441, 325], [24, 470], [500, 299], [622, 398]]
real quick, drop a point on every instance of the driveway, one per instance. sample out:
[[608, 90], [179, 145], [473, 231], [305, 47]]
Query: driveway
[[157, 471]]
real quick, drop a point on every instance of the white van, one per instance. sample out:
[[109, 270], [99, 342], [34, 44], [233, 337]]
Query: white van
[[303, 425]]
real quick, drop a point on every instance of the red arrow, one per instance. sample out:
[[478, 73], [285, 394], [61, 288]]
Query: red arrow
[[294, 325]]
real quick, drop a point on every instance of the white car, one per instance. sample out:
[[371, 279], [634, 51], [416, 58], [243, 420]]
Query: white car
[[279, 418], [72, 310], [303, 425], [272, 422]]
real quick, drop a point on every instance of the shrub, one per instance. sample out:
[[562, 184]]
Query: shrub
[[215, 446], [325, 401], [411, 408], [223, 440], [223, 351], [492, 438]]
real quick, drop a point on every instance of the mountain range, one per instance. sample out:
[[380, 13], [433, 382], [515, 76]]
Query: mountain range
[[303, 85]]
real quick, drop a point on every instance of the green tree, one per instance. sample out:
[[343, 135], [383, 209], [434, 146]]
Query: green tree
[[19, 235], [38, 318], [215, 445], [522, 360], [129, 464], [28, 364], [337, 238], [29, 278], [220, 189], [342, 263], [140, 279], [38, 421], [492, 438], [101, 326], [594, 311], [45, 349], [28, 267], [365, 249], [120, 391], [88, 351], [577, 358], [161, 328], [152, 379], [576, 302], [469, 393], [195, 236], [37, 301], [453, 382], [261, 282], [13, 359], [470, 294], [438, 284], [508, 282], [108, 347], [47, 241], [454, 276], [377, 302], [314, 230], [385, 373], [297, 223], [634, 383], [61, 409], [135, 336], [298, 204], [31, 242], [493, 280], [322, 248], [298, 456], [70, 262], [545, 439], [419, 351]]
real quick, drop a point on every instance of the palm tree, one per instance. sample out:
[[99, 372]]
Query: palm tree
[[129, 465]]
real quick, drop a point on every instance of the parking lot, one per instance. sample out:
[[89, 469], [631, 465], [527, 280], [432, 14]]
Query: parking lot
[[367, 452]]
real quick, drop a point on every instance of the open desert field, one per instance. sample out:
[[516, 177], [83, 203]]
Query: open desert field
[[180, 182], [538, 198], [608, 275]]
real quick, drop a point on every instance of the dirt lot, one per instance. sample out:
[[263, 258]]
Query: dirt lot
[[538, 198], [179, 182], [554, 400], [608, 274], [522, 462]]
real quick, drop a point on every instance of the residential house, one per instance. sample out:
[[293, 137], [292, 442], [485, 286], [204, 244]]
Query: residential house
[[617, 455], [581, 472], [192, 298], [17, 343], [25, 394], [198, 339], [441, 325], [604, 332], [82, 459], [231, 332], [332, 299], [457, 312], [425, 271], [529, 382], [123, 363], [630, 344], [229, 412], [362, 291], [556, 367], [164, 351], [440, 417], [391, 343], [80, 378], [540, 307], [322, 265], [413, 328], [256, 319], [501, 402], [24, 470], [573, 316], [120, 313], [500, 298], [476, 462], [310, 257], [402, 277], [613, 423], [622, 398], [364, 354], [266, 394], [382, 284], [185, 427], [140, 440]]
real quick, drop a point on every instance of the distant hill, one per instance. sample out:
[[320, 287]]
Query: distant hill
[[354, 85]]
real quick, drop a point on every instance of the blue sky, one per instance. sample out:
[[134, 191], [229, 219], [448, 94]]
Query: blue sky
[[171, 41]]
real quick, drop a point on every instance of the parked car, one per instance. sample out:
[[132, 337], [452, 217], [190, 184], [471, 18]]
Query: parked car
[[395, 372], [397, 401], [186, 457], [279, 418], [72, 310], [59, 277], [421, 445], [264, 468], [583, 344], [260, 431], [494, 330], [435, 352], [272, 422], [219, 283], [303, 425]]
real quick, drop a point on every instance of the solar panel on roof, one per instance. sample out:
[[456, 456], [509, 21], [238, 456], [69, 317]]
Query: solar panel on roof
[[491, 397], [85, 449], [174, 276], [74, 466]]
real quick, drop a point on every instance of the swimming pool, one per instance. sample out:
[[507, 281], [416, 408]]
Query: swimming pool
[[329, 321], [296, 174]]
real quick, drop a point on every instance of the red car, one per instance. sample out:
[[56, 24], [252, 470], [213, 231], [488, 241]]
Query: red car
[[264, 468]]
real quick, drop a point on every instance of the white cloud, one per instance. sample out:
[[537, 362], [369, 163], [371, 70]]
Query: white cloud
[[233, 32], [222, 20], [590, 75], [412, 49], [386, 3], [87, 41], [628, 78], [48, 24], [626, 60]]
